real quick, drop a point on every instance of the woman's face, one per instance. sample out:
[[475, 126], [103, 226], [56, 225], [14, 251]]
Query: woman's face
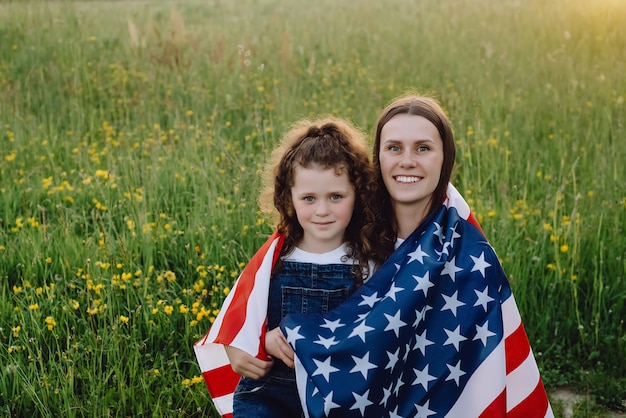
[[411, 158]]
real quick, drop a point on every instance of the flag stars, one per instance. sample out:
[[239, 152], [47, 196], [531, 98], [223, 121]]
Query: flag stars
[[369, 300], [482, 333], [399, 384], [393, 359], [332, 325], [362, 365], [423, 411], [423, 378], [455, 372], [386, 395], [423, 283], [293, 335], [326, 342], [329, 404], [422, 342], [394, 323], [451, 269], [361, 402], [360, 330], [417, 255], [480, 264], [454, 337], [483, 298], [420, 315], [444, 250], [394, 413], [438, 232], [324, 368], [455, 234], [452, 303], [393, 290]]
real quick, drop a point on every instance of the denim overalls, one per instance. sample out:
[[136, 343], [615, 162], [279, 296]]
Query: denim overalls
[[295, 288]]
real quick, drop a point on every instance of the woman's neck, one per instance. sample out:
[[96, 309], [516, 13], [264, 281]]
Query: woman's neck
[[408, 219]]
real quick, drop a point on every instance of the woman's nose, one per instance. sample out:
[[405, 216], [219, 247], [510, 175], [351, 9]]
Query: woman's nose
[[407, 160]]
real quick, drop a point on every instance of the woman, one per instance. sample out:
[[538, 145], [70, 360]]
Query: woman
[[435, 331]]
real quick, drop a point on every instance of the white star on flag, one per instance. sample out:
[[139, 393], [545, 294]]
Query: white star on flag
[[386, 395], [362, 365], [417, 255], [420, 314], [293, 335], [394, 413], [393, 359], [455, 372], [393, 289], [394, 323], [328, 403], [483, 298], [423, 411], [452, 303], [422, 342], [369, 300], [480, 264], [423, 378], [326, 342], [332, 325], [451, 269], [454, 337], [361, 401], [482, 333], [324, 368], [423, 283], [360, 330]]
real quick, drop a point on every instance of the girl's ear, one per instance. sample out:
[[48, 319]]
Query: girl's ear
[[290, 211]]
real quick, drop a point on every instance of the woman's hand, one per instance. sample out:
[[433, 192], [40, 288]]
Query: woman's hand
[[276, 345], [247, 365]]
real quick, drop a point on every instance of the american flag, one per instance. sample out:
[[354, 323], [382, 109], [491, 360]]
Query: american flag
[[434, 333], [240, 323]]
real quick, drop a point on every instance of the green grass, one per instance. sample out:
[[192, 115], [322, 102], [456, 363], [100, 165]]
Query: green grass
[[133, 135]]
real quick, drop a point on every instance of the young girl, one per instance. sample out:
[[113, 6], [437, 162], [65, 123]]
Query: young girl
[[319, 181]]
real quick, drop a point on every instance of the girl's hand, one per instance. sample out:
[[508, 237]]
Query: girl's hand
[[276, 345], [247, 365]]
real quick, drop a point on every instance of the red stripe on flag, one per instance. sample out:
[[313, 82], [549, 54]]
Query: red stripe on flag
[[534, 405], [236, 311], [497, 407], [517, 349], [221, 381]]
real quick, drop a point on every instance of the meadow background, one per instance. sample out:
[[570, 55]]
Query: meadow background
[[132, 135]]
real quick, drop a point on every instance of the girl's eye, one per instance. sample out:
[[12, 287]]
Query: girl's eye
[[335, 197], [308, 198]]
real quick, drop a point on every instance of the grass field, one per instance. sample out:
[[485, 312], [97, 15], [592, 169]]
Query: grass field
[[133, 134]]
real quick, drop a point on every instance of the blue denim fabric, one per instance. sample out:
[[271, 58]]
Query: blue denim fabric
[[267, 397], [307, 288], [295, 288]]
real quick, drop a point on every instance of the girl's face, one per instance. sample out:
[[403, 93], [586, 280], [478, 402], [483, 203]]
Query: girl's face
[[411, 158], [323, 202]]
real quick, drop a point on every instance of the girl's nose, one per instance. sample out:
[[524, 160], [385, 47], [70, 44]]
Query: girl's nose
[[321, 209]]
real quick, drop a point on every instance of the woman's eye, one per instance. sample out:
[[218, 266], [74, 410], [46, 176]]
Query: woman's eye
[[394, 148], [422, 148]]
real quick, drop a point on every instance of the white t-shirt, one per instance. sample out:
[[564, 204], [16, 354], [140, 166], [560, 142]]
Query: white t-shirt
[[336, 256]]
